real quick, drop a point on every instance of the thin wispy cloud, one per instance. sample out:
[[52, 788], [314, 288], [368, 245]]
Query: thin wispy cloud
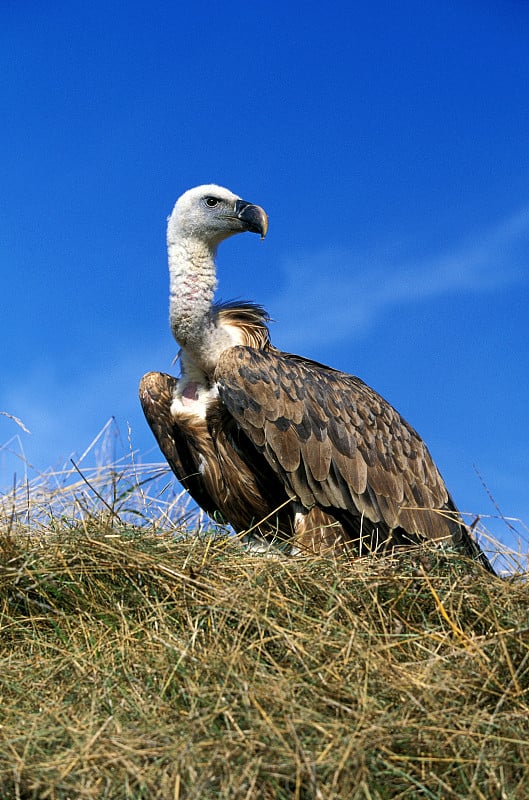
[[353, 291]]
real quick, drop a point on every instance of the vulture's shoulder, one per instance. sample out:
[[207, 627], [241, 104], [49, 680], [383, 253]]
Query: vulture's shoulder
[[282, 382]]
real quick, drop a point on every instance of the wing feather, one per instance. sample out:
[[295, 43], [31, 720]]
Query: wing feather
[[284, 443]]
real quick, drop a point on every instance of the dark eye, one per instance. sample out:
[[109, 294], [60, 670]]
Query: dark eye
[[211, 202]]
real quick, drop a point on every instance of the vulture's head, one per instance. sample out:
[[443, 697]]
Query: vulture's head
[[211, 213]]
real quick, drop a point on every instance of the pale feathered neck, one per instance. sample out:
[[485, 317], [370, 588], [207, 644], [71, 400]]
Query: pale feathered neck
[[193, 283]]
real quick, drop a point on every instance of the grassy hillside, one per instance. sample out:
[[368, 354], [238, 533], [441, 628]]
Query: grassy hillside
[[140, 664]]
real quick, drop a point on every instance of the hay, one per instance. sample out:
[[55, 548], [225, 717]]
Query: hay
[[139, 661]]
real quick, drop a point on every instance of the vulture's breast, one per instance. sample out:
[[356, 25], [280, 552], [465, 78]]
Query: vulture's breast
[[192, 399]]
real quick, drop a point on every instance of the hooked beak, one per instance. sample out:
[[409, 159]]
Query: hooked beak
[[254, 218]]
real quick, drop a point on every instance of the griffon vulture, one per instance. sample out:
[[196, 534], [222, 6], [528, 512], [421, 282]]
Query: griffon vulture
[[283, 448]]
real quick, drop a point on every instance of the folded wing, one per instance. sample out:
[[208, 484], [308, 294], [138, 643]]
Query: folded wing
[[336, 444]]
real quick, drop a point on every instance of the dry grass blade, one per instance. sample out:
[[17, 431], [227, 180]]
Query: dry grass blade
[[16, 420]]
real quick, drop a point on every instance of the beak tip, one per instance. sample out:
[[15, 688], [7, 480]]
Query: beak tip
[[254, 217]]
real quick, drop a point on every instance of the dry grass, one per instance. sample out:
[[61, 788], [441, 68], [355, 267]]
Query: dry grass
[[140, 664]]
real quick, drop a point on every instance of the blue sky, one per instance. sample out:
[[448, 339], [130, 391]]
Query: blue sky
[[388, 143]]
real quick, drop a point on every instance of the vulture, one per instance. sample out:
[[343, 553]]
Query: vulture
[[286, 450]]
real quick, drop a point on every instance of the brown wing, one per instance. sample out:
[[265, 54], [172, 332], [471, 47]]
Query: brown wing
[[181, 448], [337, 444]]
